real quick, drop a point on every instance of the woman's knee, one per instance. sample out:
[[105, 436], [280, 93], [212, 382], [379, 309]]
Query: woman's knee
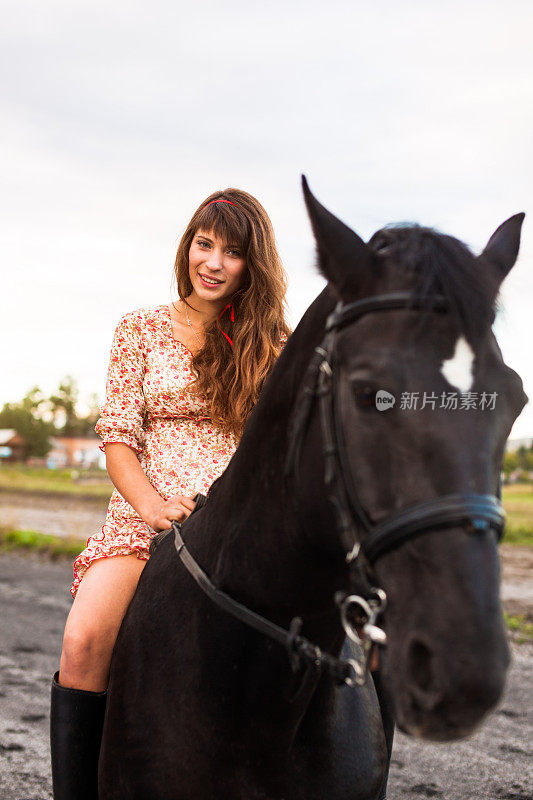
[[86, 649], [95, 618]]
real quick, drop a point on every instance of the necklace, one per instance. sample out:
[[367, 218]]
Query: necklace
[[191, 326]]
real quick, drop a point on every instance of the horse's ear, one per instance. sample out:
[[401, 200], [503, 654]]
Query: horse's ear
[[502, 247], [342, 254]]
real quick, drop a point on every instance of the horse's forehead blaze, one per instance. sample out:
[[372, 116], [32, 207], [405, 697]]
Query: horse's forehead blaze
[[459, 369]]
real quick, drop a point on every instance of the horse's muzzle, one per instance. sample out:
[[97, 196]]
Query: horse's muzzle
[[447, 653]]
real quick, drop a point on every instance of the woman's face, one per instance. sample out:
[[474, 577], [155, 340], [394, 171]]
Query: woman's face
[[216, 268]]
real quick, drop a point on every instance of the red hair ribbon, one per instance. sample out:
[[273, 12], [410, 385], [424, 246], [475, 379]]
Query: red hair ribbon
[[232, 317], [220, 201]]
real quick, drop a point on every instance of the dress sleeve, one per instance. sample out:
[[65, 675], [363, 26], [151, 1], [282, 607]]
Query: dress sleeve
[[122, 415]]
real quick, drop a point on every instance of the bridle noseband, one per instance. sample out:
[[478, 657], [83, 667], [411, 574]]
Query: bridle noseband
[[474, 512]]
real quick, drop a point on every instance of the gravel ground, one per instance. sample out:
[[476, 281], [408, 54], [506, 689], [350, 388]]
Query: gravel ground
[[494, 764]]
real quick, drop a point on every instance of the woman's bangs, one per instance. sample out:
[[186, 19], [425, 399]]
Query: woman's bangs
[[226, 223]]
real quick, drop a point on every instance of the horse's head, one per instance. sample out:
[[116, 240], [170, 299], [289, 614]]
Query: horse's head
[[424, 405]]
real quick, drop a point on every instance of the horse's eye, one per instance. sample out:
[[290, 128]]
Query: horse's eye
[[365, 396]]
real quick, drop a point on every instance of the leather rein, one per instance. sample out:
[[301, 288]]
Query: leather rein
[[476, 512]]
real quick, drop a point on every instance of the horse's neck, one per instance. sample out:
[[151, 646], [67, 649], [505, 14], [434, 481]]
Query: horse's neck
[[252, 537]]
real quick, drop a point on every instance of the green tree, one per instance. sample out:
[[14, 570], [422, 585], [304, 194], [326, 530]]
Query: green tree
[[510, 462], [63, 407], [37, 417], [24, 417], [525, 457], [94, 413]]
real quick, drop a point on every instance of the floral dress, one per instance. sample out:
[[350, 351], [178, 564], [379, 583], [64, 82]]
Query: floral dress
[[149, 408]]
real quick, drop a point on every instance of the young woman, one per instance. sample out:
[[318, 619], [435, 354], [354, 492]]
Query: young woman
[[182, 380]]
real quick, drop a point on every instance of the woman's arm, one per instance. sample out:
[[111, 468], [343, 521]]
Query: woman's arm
[[129, 478]]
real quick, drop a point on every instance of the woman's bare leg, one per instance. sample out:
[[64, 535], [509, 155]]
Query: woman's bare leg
[[94, 620]]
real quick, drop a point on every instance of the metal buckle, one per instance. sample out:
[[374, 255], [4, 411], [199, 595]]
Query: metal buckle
[[372, 633], [353, 553], [359, 674]]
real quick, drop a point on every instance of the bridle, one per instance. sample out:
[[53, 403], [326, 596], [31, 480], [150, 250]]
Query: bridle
[[475, 512], [478, 512]]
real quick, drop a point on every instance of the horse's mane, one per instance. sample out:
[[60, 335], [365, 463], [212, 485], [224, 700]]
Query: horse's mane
[[435, 263]]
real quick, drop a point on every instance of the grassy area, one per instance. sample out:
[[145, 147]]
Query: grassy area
[[53, 546], [55, 481], [518, 503], [517, 491], [519, 626], [522, 536]]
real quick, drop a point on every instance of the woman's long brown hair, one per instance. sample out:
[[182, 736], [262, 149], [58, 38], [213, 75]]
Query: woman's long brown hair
[[230, 378]]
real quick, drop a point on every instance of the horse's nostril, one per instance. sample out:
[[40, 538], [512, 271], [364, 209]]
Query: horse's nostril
[[420, 665]]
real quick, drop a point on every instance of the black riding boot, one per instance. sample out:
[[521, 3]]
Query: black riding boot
[[76, 723]]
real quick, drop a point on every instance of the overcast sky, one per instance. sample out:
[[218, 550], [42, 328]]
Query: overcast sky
[[118, 118]]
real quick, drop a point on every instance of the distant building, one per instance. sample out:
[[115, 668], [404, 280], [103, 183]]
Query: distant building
[[82, 452], [12, 446]]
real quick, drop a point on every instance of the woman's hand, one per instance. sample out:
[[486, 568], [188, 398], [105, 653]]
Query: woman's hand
[[129, 478], [177, 507]]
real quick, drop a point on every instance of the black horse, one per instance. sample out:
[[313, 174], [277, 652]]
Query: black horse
[[202, 705]]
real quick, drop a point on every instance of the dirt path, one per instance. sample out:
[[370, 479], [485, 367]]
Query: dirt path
[[62, 515], [517, 579], [492, 765]]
